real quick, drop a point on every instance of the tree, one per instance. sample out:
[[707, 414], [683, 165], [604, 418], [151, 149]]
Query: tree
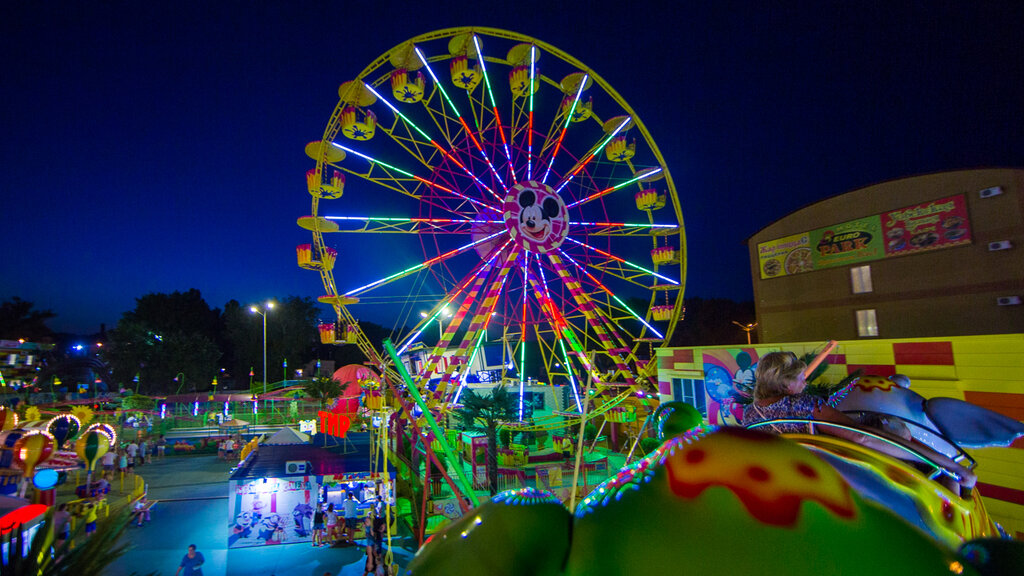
[[291, 335], [18, 320], [166, 334], [710, 321], [322, 389], [483, 414]]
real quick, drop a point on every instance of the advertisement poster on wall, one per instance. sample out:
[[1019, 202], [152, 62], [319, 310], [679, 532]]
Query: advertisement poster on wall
[[938, 224], [272, 511], [850, 242], [728, 383], [789, 255], [933, 225]]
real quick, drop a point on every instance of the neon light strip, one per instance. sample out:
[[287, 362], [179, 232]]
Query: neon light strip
[[415, 177], [434, 143], [610, 293], [494, 104], [522, 385], [615, 224], [593, 316], [529, 133], [568, 120], [617, 259], [437, 83], [597, 195], [476, 349], [572, 379], [440, 86], [522, 335], [423, 220], [593, 154], [412, 269]]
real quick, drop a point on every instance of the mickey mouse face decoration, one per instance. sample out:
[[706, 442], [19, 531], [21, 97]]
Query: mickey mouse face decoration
[[536, 217]]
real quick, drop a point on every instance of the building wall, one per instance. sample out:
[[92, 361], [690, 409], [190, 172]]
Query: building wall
[[951, 291], [984, 370]]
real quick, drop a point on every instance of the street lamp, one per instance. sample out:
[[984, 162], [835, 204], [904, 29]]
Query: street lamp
[[266, 307], [746, 328], [440, 328]]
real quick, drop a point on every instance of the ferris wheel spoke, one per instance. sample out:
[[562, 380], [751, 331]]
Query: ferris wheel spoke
[[619, 260], [446, 152], [592, 315], [458, 115], [565, 128], [640, 176], [581, 164], [477, 328], [584, 228], [425, 264], [399, 225], [611, 294], [494, 106]]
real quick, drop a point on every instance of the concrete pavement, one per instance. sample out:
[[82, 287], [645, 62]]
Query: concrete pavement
[[193, 509]]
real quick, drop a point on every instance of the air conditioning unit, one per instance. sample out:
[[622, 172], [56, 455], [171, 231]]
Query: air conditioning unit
[[1008, 300], [1000, 245], [296, 467], [990, 192]]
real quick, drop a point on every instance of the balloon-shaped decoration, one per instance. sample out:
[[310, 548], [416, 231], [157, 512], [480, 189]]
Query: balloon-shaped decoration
[[7, 441], [8, 418], [63, 427], [91, 447], [106, 430], [33, 449]]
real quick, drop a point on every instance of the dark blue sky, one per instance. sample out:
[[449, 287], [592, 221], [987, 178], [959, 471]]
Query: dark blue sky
[[159, 147]]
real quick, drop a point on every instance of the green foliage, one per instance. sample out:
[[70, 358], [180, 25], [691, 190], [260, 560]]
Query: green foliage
[[19, 320], [824, 388], [648, 445], [91, 556], [291, 335], [164, 335], [138, 402], [322, 389]]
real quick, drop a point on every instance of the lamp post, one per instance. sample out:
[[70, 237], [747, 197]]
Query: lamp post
[[443, 313], [748, 328], [266, 307]]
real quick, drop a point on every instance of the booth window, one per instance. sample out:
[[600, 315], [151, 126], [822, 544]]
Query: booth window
[[867, 323], [860, 279], [691, 392]]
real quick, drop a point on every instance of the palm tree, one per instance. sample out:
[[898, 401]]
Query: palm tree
[[482, 414], [322, 389]]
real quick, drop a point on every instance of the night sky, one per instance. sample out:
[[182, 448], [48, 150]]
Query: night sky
[[154, 147]]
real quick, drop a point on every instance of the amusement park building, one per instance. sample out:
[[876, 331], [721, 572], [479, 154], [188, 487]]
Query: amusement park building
[[933, 255]]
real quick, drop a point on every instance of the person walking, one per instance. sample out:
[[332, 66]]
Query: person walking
[[143, 447], [161, 447], [191, 562], [318, 526]]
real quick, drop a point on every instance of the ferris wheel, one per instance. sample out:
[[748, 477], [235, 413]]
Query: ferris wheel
[[513, 194]]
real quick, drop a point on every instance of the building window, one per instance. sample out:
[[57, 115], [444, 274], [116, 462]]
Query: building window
[[867, 323], [860, 279], [691, 392]]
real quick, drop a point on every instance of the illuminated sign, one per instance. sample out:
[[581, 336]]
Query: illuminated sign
[[307, 426], [334, 424]]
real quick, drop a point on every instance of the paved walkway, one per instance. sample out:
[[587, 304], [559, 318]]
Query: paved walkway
[[193, 509]]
